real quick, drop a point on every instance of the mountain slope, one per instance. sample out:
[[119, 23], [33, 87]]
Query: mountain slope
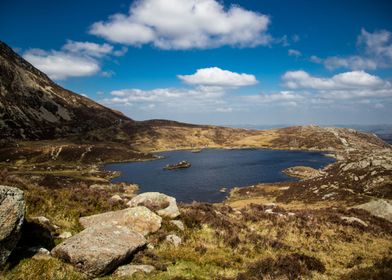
[[34, 107]]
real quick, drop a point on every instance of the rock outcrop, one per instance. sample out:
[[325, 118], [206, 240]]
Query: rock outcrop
[[164, 205], [380, 208], [100, 249], [139, 219], [12, 210], [130, 269], [302, 172]]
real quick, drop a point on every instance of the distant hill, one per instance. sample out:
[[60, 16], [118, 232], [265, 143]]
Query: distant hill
[[34, 107]]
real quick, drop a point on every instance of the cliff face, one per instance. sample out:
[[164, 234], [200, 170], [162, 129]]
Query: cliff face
[[34, 107]]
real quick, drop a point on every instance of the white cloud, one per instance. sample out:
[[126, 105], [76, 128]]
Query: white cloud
[[121, 51], [88, 48], [351, 62], [347, 80], [347, 85], [293, 52], [60, 65], [185, 24], [375, 51], [75, 59], [378, 43], [215, 76]]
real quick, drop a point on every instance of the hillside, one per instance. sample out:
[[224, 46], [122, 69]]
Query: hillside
[[34, 107]]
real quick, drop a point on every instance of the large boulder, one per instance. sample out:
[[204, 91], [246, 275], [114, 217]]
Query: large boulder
[[100, 249], [12, 209], [164, 205], [380, 208], [139, 219]]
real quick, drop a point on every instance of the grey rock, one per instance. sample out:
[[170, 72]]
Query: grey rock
[[130, 269], [100, 249], [352, 220], [12, 210], [39, 252], [164, 205], [115, 198], [65, 235], [139, 219], [174, 239], [380, 208], [179, 224]]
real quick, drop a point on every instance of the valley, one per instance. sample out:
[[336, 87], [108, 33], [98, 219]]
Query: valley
[[332, 224]]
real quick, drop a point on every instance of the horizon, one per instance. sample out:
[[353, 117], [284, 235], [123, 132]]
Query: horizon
[[285, 69]]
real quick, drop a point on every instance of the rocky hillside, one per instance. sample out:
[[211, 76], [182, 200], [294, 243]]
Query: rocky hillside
[[34, 107]]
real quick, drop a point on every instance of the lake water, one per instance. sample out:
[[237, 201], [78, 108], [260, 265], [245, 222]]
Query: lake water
[[213, 169]]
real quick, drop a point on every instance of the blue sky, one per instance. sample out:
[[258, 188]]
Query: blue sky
[[217, 62]]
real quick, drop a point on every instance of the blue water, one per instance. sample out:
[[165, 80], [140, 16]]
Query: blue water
[[213, 169]]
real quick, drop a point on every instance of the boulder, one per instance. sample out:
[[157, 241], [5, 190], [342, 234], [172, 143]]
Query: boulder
[[100, 249], [130, 269], [139, 219], [12, 210], [164, 205], [380, 208], [174, 239], [179, 224]]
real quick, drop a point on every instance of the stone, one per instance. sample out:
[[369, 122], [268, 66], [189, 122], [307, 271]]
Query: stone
[[12, 211], [100, 249], [179, 224], [380, 208], [115, 198], [39, 252], [130, 269], [174, 239], [65, 235], [164, 205], [139, 219], [352, 220]]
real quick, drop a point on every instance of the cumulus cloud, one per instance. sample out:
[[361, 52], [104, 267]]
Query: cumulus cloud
[[185, 24], [347, 85], [351, 62], [374, 52], [177, 99], [75, 59], [88, 48], [215, 76], [60, 65], [347, 80], [293, 52]]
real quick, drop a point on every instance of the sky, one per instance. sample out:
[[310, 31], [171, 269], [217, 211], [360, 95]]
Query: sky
[[260, 62]]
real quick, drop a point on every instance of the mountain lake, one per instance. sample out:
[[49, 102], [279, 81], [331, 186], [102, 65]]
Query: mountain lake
[[214, 169]]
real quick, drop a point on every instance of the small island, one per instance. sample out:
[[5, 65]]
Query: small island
[[181, 165]]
